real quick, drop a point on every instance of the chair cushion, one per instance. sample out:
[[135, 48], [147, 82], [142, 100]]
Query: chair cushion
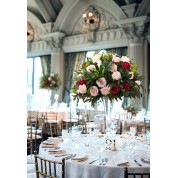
[[31, 175], [52, 121], [30, 168]]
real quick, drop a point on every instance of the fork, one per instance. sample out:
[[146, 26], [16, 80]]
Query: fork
[[144, 161]]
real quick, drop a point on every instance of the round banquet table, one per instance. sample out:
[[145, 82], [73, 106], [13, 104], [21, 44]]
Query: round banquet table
[[94, 147]]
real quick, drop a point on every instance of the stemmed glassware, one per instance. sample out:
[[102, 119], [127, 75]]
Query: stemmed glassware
[[129, 115], [133, 131]]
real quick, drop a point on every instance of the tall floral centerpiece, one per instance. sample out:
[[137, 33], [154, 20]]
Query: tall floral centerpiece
[[107, 76], [50, 82]]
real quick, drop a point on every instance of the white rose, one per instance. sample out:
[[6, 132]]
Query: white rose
[[49, 78], [51, 75], [95, 58], [138, 82], [125, 59]]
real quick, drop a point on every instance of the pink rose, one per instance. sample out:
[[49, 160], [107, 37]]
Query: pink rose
[[82, 89], [115, 59], [99, 62], [105, 90], [116, 75], [94, 91], [101, 82], [113, 68], [90, 68]]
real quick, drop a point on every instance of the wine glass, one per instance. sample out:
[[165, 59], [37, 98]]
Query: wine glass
[[129, 115], [133, 131]]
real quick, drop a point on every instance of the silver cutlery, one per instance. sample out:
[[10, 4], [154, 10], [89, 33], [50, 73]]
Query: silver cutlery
[[69, 157], [94, 161], [105, 161], [137, 162], [62, 155]]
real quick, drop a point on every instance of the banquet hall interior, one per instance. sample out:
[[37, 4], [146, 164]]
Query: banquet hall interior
[[84, 131]]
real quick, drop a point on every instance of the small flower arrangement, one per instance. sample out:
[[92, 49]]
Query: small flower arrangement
[[132, 109], [50, 81], [107, 76]]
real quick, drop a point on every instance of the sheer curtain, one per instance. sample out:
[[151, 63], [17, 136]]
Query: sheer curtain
[[73, 61], [120, 51]]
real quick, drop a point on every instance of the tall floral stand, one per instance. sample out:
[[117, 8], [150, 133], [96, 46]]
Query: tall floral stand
[[47, 97]]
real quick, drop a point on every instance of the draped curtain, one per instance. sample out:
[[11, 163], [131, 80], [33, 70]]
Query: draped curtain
[[73, 61], [46, 64]]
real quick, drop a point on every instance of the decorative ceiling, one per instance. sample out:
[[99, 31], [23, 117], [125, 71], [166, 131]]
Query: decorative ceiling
[[48, 10]]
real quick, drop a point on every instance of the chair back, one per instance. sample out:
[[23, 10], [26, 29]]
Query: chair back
[[48, 168], [136, 175]]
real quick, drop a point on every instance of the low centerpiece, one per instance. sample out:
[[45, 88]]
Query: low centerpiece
[[50, 82]]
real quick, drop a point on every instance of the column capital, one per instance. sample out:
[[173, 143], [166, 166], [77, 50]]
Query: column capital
[[136, 29], [53, 39]]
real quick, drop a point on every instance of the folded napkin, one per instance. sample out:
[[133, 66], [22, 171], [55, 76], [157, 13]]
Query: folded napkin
[[55, 140], [44, 145], [56, 151], [80, 158]]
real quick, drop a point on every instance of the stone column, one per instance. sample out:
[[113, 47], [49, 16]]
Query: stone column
[[57, 66], [54, 40], [136, 31]]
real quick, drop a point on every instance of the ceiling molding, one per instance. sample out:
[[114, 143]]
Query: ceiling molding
[[78, 7], [46, 10], [31, 17], [144, 8]]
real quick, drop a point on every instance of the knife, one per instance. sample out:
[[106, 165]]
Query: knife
[[93, 161], [137, 162]]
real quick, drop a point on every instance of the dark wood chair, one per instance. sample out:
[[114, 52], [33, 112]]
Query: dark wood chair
[[136, 175], [48, 168]]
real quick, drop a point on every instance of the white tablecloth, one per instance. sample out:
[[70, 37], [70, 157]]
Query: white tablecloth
[[76, 144]]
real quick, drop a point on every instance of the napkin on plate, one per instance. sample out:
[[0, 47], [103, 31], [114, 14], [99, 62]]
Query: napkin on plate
[[80, 158], [56, 151]]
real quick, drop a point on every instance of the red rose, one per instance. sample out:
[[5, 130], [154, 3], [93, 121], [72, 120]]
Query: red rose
[[115, 89], [84, 64], [47, 82], [126, 86], [126, 65], [81, 82]]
